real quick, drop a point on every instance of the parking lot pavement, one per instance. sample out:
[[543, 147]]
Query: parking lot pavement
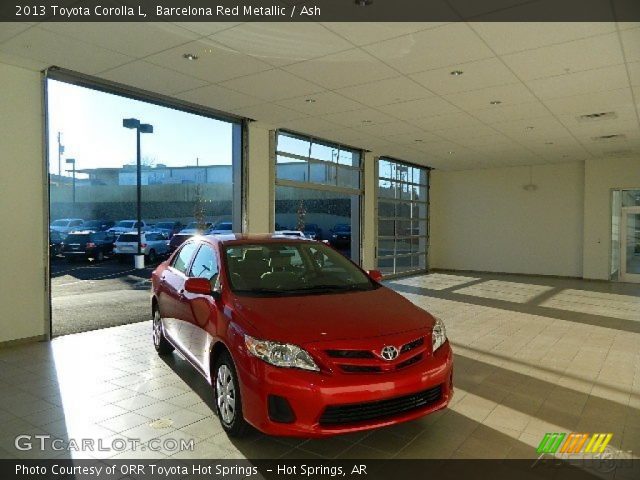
[[88, 295]]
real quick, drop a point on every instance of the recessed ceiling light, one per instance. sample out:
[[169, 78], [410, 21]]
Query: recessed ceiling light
[[456, 73], [418, 140], [495, 102], [451, 153], [366, 121], [548, 143], [190, 56], [363, 3], [529, 127], [310, 100]]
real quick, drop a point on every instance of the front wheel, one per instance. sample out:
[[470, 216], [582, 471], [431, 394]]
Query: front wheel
[[227, 394], [160, 342]]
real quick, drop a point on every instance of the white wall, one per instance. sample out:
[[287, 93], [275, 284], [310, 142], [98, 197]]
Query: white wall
[[22, 190], [485, 220], [601, 176], [258, 180]]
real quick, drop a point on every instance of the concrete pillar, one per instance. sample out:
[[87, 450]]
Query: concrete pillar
[[369, 211], [259, 181]]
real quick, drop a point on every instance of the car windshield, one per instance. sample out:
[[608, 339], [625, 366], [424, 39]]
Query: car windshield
[[77, 238], [128, 237], [343, 228], [60, 223], [125, 224], [295, 268], [223, 226]]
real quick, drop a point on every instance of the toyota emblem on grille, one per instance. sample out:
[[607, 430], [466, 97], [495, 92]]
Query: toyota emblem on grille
[[389, 352]]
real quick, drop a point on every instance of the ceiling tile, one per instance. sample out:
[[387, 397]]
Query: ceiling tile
[[391, 129], [268, 113], [511, 94], [153, 78], [634, 73], [342, 69], [272, 85], [215, 62], [409, 139], [429, 49], [143, 40], [206, 28], [384, 92], [23, 62], [624, 117], [362, 33], [590, 103], [219, 98], [11, 29], [509, 37], [601, 79], [354, 118], [502, 112], [521, 129], [282, 43], [419, 108], [494, 140], [575, 56], [457, 134], [323, 103], [310, 126], [53, 49], [449, 120], [479, 74], [631, 43]]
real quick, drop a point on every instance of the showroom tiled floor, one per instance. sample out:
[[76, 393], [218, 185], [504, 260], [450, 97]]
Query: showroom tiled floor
[[532, 355]]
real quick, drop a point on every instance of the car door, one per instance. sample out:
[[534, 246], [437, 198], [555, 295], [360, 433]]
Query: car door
[[171, 302], [203, 311]]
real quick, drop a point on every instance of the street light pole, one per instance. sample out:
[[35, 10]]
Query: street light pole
[[72, 161], [134, 123]]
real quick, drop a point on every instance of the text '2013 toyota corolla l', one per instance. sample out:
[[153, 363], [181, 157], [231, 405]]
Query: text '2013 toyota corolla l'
[[297, 340]]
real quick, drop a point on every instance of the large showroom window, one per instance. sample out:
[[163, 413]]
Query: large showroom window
[[318, 190], [403, 217], [121, 163]]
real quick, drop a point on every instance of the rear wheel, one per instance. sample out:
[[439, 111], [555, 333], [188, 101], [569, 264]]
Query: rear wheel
[[152, 256], [227, 395], [162, 345]]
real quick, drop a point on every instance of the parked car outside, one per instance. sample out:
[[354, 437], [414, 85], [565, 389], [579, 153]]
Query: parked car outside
[[99, 225], [340, 235], [196, 228], [154, 244], [66, 225], [86, 244], [178, 239], [313, 231], [124, 226], [55, 243], [168, 228], [296, 339], [290, 233], [221, 228]]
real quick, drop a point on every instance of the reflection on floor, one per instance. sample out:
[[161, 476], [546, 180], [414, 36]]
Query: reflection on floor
[[532, 356]]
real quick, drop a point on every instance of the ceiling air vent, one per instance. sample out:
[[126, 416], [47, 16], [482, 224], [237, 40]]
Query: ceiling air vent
[[609, 138], [591, 117]]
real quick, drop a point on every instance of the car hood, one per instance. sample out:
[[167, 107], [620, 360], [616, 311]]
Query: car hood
[[352, 315]]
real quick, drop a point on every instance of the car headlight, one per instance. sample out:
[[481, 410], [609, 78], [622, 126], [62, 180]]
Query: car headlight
[[280, 354], [438, 335]]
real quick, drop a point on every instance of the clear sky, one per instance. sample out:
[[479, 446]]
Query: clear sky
[[91, 126]]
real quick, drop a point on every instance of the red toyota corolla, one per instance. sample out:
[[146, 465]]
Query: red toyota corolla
[[297, 340]]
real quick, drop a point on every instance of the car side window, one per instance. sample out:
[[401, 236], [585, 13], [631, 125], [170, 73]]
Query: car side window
[[205, 264], [182, 259]]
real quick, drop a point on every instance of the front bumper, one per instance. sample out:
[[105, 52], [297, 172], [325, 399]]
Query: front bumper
[[310, 393]]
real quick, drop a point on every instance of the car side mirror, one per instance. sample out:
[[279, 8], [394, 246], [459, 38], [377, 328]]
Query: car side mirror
[[200, 286], [375, 275]]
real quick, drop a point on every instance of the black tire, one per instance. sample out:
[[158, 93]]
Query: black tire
[[99, 256], [160, 342], [152, 256], [236, 426]]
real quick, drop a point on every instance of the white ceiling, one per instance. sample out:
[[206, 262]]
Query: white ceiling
[[385, 87]]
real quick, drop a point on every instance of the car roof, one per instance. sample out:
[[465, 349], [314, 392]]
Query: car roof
[[247, 238]]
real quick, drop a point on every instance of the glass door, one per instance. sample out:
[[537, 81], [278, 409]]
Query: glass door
[[630, 245]]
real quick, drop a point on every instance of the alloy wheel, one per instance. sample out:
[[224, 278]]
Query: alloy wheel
[[226, 394]]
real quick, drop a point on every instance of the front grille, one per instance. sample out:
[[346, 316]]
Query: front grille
[[361, 412], [350, 354], [411, 361], [411, 345], [360, 369]]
